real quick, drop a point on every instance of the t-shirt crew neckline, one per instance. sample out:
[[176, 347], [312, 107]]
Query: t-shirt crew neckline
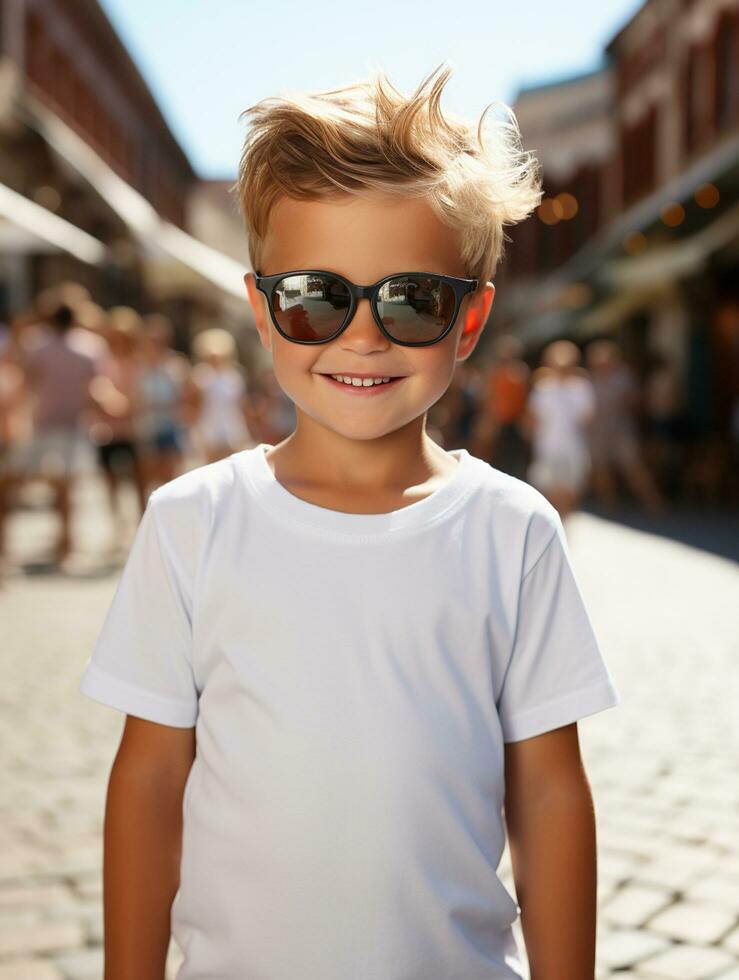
[[419, 515]]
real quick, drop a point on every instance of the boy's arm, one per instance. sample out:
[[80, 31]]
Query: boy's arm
[[552, 841], [142, 846]]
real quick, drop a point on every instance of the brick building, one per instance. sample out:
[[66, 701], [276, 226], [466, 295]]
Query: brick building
[[647, 148], [93, 185]]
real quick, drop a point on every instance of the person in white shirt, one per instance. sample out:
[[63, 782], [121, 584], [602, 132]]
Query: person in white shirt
[[58, 381], [219, 393], [344, 656], [560, 408]]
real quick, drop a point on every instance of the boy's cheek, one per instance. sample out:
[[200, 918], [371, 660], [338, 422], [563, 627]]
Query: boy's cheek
[[291, 363]]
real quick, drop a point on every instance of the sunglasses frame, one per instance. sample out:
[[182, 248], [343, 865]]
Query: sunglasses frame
[[461, 287]]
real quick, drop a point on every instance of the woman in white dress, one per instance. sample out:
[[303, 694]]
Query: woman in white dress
[[559, 411]]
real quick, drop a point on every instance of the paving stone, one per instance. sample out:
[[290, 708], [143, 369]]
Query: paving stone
[[620, 949], [731, 942], [29, 970], [81, 964], [634, 842], [88, 885], [726, 838], [621, 866], [20, 861], [732, 974], [77, 861], [693, 922], [633, 905], [34, 898], [13, 918], [717, 889], [671, 874], [686, 962], [44, 937], [90, 916]]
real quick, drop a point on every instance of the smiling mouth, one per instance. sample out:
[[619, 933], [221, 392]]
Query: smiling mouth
[[360, 378], [354, 384]]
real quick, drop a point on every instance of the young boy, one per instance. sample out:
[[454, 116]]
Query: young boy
[[341, 657]]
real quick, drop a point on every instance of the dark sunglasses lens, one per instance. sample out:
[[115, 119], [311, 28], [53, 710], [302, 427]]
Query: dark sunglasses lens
[[310, 307], [416, 309]]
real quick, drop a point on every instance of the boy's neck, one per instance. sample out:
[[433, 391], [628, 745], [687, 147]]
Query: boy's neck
[[401, 468]]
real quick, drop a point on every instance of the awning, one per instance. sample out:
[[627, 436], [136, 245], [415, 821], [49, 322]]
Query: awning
[[611, 312], [708, 168], [163, 241], [539, 328], [588, 263], [676, 260], [26, 227], [169, 246]]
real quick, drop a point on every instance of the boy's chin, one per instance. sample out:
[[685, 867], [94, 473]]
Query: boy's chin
[[361, 432], [359, 429]]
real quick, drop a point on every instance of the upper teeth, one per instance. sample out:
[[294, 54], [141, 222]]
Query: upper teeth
[[363, 382]]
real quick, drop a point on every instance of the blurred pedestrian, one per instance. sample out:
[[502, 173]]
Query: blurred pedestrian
[[220, 394], [666, 423], [559, 410], [11, 396], [614, 435], [113, 426], [498, 435], [58, 380], [453, 417], [160, 424], [88, 332]]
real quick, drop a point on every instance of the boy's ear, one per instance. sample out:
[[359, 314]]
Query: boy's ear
[[251, 289], [475, 318], [260, 320]]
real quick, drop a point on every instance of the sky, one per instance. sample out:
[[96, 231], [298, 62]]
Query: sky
[[206, 61]]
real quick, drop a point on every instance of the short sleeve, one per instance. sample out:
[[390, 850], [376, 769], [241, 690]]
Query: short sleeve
[[141, 662], [556, 673]]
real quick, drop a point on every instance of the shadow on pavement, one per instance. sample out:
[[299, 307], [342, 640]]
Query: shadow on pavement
[[73, 568], [716, 531]]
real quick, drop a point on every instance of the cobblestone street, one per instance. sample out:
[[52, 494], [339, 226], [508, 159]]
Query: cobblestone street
[[662, 765]]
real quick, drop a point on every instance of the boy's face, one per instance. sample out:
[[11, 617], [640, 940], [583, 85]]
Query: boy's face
[[364, 239]]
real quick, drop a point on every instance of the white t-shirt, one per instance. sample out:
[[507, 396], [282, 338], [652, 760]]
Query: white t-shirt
[[221, 421], [352, 679], [562, 408]]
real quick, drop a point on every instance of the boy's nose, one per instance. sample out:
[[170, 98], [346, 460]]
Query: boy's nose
[[363, 330]]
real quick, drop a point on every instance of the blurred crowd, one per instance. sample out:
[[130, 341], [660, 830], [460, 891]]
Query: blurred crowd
[[79, 383], [584, 423]]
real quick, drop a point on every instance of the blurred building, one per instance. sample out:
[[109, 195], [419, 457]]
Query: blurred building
[[637, 236], [568, 123], [214, 218], [93, 185]]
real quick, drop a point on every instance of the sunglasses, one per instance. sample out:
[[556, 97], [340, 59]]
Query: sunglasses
[[413, 309]]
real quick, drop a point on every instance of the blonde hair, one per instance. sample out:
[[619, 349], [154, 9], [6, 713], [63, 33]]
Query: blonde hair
[[561, 354], [367, 136], [124, 320], [214, 341]]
